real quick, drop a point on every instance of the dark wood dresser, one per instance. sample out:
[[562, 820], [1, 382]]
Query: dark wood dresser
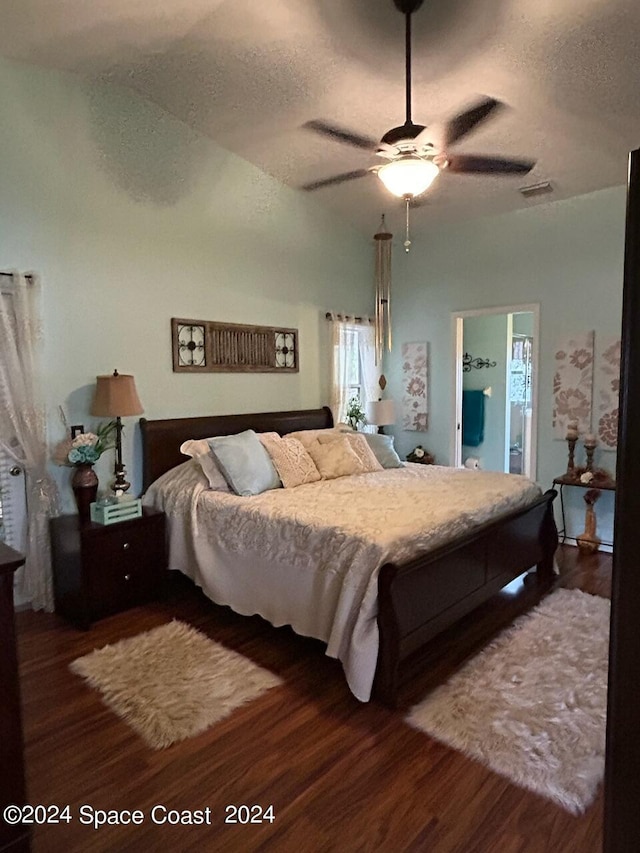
[[12, 784]]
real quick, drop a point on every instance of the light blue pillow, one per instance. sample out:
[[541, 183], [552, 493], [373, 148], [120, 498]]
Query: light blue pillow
[[383, 449], [244, 462]]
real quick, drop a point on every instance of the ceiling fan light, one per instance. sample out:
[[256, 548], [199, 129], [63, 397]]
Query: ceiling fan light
[[408, 176]]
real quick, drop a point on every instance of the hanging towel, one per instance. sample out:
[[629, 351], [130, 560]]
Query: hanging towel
[[472, 418]]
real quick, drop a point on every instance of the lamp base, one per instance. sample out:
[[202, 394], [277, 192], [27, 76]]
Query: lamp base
[[120, 484]]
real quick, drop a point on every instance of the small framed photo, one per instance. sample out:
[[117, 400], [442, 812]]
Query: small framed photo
[[76, 429]]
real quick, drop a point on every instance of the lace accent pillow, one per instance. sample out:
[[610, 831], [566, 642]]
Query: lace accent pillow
[[292, 462], [335, 458], [361, 447]]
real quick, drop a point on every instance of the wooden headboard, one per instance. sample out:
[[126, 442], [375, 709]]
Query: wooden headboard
[[161, 439]]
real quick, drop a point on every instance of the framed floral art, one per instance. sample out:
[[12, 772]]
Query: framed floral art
[[414, 386], [607, 389], [586, 385], [573, 383]]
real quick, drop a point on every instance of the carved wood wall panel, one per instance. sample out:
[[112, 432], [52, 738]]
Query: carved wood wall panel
[[207, 346]]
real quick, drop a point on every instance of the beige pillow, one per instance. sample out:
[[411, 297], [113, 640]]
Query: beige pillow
[[308, 436], [198, 449], [335, 458], [361, 448], [292, 462]]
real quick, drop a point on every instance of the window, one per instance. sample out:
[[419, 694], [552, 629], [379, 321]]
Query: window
[[354, 367], [354, 370]]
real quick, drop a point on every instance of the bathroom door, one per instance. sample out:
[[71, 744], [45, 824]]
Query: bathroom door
[[504, 435]]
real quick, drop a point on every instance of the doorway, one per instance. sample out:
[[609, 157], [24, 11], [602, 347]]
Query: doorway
[[496, 372]]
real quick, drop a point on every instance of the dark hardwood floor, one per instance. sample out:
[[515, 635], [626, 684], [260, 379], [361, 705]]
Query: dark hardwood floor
[[340, 775]]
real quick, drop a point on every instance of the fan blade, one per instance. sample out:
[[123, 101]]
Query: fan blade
[[473, 164], [341, 135], [336, 179], [465, 122]]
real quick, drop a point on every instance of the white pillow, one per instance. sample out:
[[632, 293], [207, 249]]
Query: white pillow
[[361, 448], [293, 464], [199, 450], [335, 458]]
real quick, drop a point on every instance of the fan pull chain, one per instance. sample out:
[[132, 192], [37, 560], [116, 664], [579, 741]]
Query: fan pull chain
[[407, 242]]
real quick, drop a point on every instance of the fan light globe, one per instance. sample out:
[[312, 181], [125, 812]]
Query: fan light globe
[[408, 176]]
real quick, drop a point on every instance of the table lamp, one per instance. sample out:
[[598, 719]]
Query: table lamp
[[381, 413], [116, 397]]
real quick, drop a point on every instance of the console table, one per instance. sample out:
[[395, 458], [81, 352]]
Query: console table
[[599, 484], [12, 786]]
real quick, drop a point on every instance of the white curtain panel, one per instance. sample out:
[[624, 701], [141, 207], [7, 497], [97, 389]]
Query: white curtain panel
[[370, 371], [340, 370], [22, 427], [342, 328]]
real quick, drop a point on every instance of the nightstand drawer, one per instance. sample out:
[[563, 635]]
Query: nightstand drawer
[[118, 547], [119, 585]]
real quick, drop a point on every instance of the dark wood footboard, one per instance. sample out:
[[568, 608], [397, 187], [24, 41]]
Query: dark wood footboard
[[419, 599]]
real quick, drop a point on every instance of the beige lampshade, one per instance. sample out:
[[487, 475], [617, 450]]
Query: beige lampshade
[[381, 412], [116, 396]]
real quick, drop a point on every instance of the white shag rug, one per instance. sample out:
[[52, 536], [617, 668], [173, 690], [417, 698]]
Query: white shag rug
[[532, 704], [172, 682]]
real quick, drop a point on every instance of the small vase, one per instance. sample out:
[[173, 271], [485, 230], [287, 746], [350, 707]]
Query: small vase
[[84, 483], [589, 542]]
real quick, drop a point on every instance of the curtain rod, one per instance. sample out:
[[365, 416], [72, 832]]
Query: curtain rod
[[28, 276], [336, 316]]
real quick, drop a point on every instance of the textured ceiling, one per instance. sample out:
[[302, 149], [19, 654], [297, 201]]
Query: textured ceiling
[[249, 73]]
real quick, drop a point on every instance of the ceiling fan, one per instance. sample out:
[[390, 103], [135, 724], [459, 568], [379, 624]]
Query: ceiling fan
[[414, 157]]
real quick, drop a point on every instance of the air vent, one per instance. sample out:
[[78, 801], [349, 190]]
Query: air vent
[[536, 189]]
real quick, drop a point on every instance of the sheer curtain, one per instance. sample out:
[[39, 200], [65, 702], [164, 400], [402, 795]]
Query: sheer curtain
[[340, 344], [343, 343], [23, 429], [370, 370]]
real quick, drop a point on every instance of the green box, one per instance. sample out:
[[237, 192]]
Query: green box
[[119, 511]]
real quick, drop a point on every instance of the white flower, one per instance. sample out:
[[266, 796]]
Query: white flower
[[586, 478], [85, 439], [419, 452]]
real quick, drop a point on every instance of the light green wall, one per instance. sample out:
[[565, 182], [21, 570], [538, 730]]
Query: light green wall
[[131, 218], [567, 255]]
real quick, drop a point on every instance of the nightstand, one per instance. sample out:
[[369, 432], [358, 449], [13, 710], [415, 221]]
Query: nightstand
[[100, 569]]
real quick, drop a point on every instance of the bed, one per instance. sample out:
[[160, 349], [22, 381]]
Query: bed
[[412, 592]]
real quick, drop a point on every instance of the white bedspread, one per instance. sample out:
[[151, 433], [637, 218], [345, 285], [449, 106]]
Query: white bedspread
[[309, 557]]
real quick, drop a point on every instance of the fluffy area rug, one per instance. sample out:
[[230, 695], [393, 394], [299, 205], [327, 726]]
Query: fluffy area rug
[[532, 705], [172, 682]]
